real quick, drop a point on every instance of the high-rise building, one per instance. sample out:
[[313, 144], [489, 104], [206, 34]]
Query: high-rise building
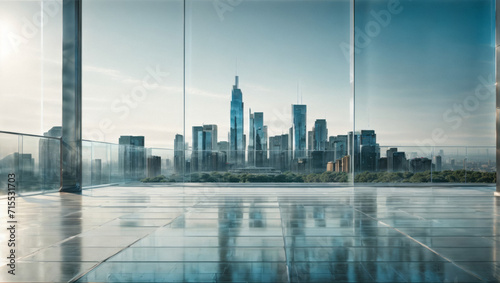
[[338, 146], [251, 139], [320, 135], [197, 148], [154, 166], [420, 165], [310, 141], [179, 155], [236, 134], [396, 160], [132, 157], [439, 163], [49, 157], [209, 141], [369, 151], [279, 153], [257, 145], [353, 150], [299, 112], [205, 148]]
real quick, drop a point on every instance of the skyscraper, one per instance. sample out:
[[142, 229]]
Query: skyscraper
[[132, 158], [299, 112], [209, 141], [338, 144], [353, 150], [396, 160], [320, 134], [49, 157], [279, 152], [257, 145], [179, 159], [236, 135], [197, 148], [370, 151]]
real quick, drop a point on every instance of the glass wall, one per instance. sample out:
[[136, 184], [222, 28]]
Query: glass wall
[[30, 65], [34, 160], [133, 70], [266, 86], [424, 82], [259, 91]]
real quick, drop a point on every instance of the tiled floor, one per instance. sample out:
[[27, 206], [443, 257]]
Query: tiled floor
[[248, 233]]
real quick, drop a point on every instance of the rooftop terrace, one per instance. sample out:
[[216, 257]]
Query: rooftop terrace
[[256, 233]]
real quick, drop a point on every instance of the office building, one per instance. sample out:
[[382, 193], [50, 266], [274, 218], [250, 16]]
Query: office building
[[299, 118], [320, 135], [154, 166], [49, 157], [279, 153], [236, 135], [132, 157], [369, 151], [417, 165], [257, 140], [179, 154]]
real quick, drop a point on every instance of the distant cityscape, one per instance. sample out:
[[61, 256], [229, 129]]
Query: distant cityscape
[[298, 151]]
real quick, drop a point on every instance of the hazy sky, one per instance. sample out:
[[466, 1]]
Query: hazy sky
[[412, 73]]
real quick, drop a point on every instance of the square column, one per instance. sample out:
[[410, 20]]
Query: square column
[[71, 144]]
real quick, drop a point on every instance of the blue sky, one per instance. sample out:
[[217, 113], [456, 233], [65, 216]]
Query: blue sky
[[425, 61]]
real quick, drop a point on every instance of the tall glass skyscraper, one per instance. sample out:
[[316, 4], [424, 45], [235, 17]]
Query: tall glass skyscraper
[[320, 134], [236, 136], [299, 112], [257, 146]]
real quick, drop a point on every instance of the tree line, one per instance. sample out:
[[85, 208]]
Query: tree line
[[448, 176]]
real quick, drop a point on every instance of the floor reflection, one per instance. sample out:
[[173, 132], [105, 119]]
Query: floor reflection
[[71, 224], [329, 235]]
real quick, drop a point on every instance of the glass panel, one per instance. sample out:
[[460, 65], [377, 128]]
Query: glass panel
[[33, 159], [86, 163], [267, 84], [30, 65], [424, 82], [133, 86]]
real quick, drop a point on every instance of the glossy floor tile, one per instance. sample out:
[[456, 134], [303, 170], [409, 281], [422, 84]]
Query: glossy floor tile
[[257, 233]]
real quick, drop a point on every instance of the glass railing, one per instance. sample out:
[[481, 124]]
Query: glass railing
[[409, 164], [35, 161]]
